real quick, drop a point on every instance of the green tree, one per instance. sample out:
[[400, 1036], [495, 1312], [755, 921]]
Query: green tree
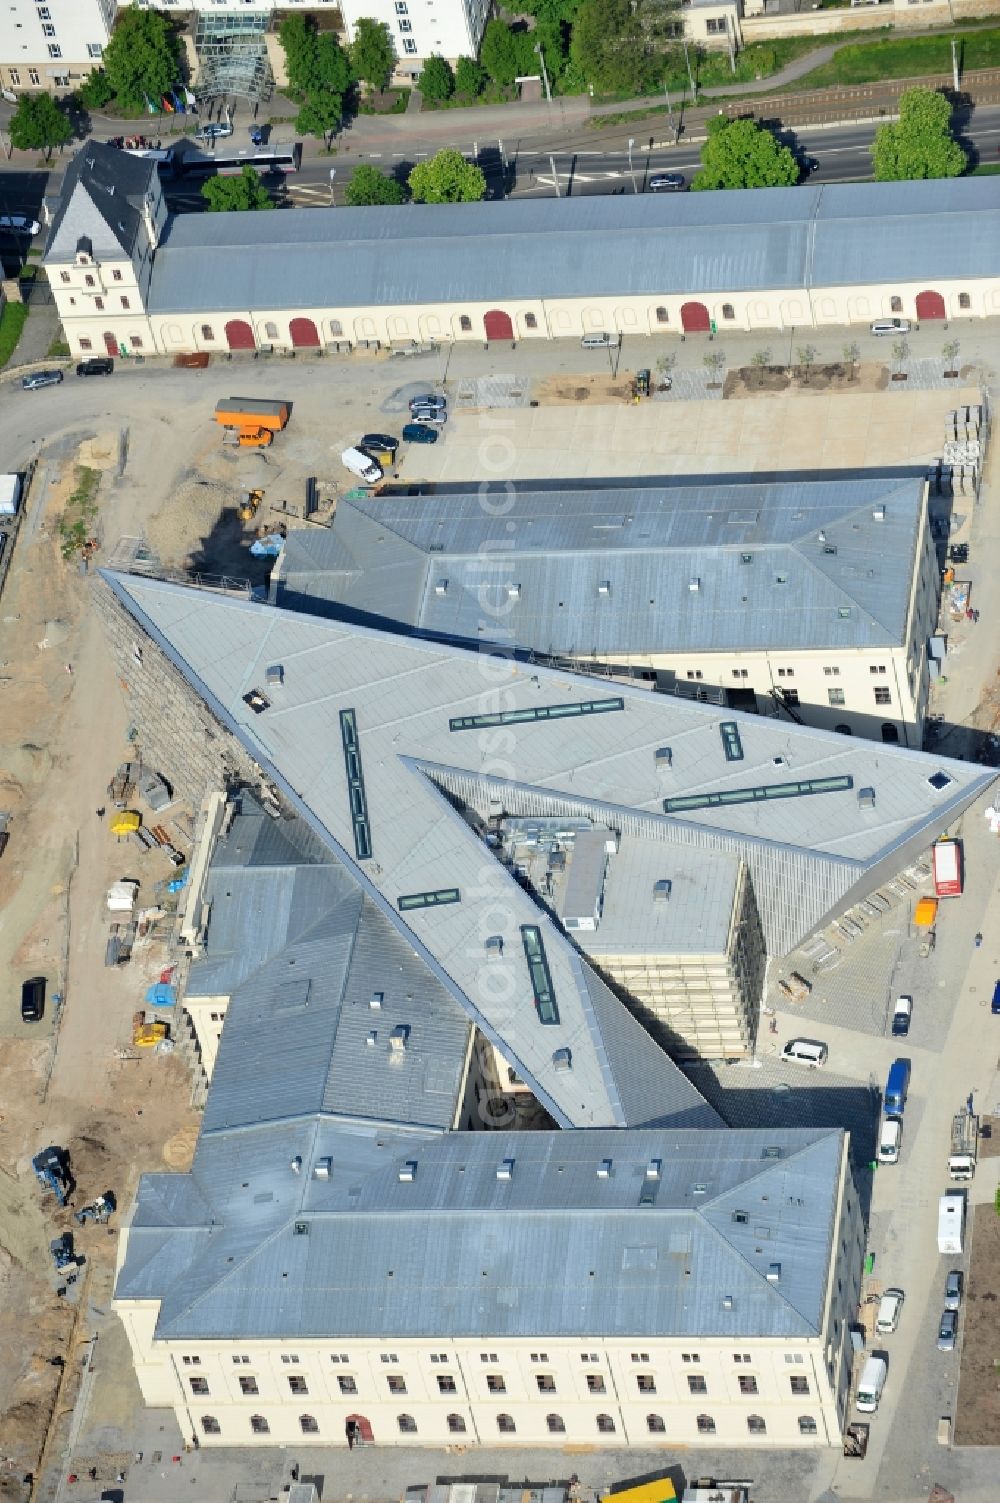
[[901, 352], [852, 354], [142, 58], [447, 178], [95, 91], [950, 353], [806, 357], [500, 53], [320, 115], [319, 74], [470, 77], [372, 53], [714, 362], [760, 360], [437, 81], [225, 194], [38, 124], [298, 38], [613, 48], [920, 143], [741, 154], [369, 186]]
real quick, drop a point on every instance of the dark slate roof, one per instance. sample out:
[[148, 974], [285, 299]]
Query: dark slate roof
[[101, 202]]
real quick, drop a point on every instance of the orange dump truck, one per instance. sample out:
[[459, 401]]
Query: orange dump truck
[[250, 420]]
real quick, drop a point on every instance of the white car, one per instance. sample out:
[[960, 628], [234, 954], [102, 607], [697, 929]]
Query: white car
[[361, 464], [889, 1138], [889, 1310], [18, 224]]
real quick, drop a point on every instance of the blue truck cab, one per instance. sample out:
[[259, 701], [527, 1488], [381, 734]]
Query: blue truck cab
[[896, 1087]]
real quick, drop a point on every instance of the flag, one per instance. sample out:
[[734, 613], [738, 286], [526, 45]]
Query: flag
[[189, 98], [150, 106], [178, 102], [167, 105]]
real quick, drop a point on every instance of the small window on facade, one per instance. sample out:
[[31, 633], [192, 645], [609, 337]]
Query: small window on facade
[[116, 276], [505, 1424], [605, 1424], [495, 1384], [883, 695], [807, 1425], [86, 344], [211, 1425], [396, 1385], [645, 1382], [964, 300], [270, 331], [530, 321], [297, 1384], [706, 1424], [135, 342], [407, 1424], [259, 1425], [125, 302], [64, 276], [98, 302], [555, 1424], [696, 1383], [799, 1385], [835, 696], [756, 1425], [747, 1383], [465, 323], [655, 1424], [662, 316], [206, 331], [456, 1424], [546, 1382], [336, 328], [446, 1384], [308, 1424], [409, 45], [895, 305], [248, 1385], [728, 311], [595, 1383], [347, 1385]]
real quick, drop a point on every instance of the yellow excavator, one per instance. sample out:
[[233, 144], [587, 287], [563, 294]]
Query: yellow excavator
[[250, 504]]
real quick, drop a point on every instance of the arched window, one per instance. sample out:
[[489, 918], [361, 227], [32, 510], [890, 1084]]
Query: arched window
[[308, 1424], [407, 1424], [662, 316], [706, 1424], [728, 311], [271, 330], [895, 305], [890, 733], [756, 1425], [505, 1424], [456, 1424], [807, 1425], [556, 1424], [964, 300], [206, 331], [465, 323], [336, 328], [605, 1424], [259, 1425], [211, 1425], [530, 321], [844, 730], [655, 1424]]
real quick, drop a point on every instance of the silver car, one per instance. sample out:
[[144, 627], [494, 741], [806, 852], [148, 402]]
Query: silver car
[[947, 1330], [953, 1289]]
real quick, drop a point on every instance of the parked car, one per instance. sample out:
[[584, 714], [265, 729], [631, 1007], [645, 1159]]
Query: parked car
[[598, 341], [99, 365], [953, 1289], [947, 1331], [642, 379], [666, 182], [901, 1015], [891, 326], [889, 1138], [890, 1307], [809, 1052], [429, 415], [19, 224], [384, 442], [212, 132], [361, 464], [430, 399], [419, 433], [41, 378], [33, 1000]]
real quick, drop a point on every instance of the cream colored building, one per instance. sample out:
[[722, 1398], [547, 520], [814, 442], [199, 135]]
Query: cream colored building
[[52, 45], [334, 279], [809, 599]]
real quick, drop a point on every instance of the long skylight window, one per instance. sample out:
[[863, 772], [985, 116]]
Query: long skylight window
[[435, 899], [765, 791], [538, 970], [536, 712], [356, 786]]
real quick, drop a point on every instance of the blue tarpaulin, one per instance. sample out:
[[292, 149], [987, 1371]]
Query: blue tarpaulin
[[160, 994]]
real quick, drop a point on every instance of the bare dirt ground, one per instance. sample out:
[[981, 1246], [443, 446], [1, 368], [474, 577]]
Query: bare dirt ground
[[63, 1081], [562, 391], [977, 1421], [748, 381]]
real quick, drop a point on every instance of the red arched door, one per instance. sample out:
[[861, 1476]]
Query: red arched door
[[930, 305], [111, 344], [359, 1431], [498, 325], [695, 319], [240, 335], [305, 335]]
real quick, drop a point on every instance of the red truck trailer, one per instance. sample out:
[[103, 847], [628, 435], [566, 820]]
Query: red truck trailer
[[947, 857]]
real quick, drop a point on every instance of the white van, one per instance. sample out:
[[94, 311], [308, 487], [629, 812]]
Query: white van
[[889, 1309], [598, 341], [805, 1052], [890, 1134], [361, 464], [871, 1384], [891, 326]]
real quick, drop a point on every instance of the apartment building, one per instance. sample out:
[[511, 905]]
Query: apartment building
[[52, 45]]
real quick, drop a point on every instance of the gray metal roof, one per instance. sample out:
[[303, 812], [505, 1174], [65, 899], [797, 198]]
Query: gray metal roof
[[101, 202], [696, 919], [608, 570], [558, 1249], [639, 245], [805, 846]]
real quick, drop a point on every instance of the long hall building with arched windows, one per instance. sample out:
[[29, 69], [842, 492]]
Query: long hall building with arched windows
[[129, 276]]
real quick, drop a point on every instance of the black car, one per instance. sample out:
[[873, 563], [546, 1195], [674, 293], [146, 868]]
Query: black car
[[100, 365], [419, 433], [384, 442], [33, 1000]]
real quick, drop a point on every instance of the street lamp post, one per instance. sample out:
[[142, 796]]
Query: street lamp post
[[333, 174], [687, 61], [631, 143], [545, 71]]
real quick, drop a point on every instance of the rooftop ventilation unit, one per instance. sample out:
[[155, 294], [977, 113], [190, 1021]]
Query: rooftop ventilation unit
[[878, 513], [376, 999], [296, 1164], [661, 890], [604, 1169], [821, 537], [604, 588], [274, 676], [300, 1229], [663, 757], [408, 1172], [371, 1038], [505, 1169], [866, 798], [398, 1038], [441, 588], [727, 1302], [493, 946], [562, 1059], [774, 1273], [322, 1167], [513, 592], [257, 701], [694, 585], [653, 1168]]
